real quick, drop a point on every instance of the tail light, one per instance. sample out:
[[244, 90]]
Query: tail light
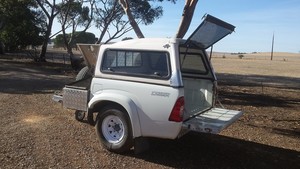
[[177, 111]]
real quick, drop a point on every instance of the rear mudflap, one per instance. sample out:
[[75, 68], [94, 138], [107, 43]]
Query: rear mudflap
[[212, 121]]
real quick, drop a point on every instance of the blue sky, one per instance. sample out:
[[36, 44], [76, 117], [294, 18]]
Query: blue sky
[[255, 21]]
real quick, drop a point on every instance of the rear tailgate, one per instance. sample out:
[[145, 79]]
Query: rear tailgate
[[212, 121]]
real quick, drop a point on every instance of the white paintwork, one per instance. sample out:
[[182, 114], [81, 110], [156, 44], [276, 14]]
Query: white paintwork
[[149, 102], [148, 92], [148, 112], [113, 129]]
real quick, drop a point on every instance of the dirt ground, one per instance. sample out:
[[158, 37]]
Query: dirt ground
[[36, 132]]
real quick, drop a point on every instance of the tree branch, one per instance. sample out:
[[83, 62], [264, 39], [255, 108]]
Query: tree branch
[[186, 19], [135, 26]]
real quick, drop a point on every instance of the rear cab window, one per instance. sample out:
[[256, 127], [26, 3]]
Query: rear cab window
[[151, 64], [192, 61]]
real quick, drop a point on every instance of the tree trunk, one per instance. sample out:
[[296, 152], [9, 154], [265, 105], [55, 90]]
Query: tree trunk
[[43, 52], [135, 26], [71, 56], [42, 57], [186, 19], [1, 47], [102, 34]]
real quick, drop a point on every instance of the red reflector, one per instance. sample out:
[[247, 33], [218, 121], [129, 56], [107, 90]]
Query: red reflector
[[177, 112]]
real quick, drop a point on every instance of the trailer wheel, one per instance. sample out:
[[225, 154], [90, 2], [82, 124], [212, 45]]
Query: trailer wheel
[[79, 115], [114, 130], [83, 73]]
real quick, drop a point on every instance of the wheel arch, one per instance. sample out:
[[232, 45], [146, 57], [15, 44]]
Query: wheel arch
[[98, 102]]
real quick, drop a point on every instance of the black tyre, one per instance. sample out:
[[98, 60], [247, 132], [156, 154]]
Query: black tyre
[[114, 130], [83, 73], [79, 115]]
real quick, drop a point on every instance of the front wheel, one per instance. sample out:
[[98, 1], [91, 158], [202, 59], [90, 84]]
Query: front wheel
[[114, 130]]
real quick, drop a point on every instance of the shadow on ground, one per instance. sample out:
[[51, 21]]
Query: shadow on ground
[[252, 90], [32, 77], [216, 151], [259, 80]]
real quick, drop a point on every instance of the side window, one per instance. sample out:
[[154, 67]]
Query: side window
[[113, 59], [136, 63], [158, 63]]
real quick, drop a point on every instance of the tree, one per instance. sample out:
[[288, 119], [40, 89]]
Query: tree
[[111, 19], [187, 15], [72, 14], [131, 6], [21, 24], [109, 14], [126, 7], [1, 27], [50, 11], [86, 37], [59, 41]]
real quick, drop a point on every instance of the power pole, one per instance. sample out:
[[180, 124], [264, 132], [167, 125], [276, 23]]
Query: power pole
[[272, 47]]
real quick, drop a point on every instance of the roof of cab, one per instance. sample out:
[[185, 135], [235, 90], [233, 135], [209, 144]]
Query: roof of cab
[[145, 43]]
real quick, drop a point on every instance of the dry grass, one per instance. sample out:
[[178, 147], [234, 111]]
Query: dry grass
[[283, 64]]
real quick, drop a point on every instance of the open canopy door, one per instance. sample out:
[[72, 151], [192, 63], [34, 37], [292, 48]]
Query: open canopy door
[[210, 31]]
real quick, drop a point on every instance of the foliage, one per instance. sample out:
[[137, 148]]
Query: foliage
[[59, 41], [22, 24], [144, 12], [73, 13], [86, 37], [108, 14], [241, 56], [110, 18], [134, 8], [48, 9]]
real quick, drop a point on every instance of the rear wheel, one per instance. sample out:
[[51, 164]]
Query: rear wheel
[[114, 130]]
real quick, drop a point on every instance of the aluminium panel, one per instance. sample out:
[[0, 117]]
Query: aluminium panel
[[76, 99]]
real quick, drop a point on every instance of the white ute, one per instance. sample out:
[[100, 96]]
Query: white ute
[[151, 87]]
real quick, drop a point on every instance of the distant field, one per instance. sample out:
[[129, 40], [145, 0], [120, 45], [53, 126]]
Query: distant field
[[282, 56], [283, 64]]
